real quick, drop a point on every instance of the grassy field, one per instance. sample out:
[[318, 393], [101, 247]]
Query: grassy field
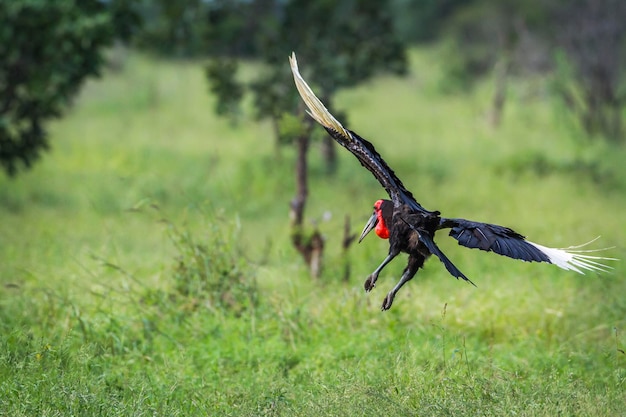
[[146, 267]]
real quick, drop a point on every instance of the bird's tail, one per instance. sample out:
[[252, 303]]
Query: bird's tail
[[573, 258]]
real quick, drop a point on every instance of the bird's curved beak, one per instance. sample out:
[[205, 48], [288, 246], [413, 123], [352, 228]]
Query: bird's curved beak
[[371, 223]]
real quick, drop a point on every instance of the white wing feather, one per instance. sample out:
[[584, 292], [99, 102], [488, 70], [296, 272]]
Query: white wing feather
[[316, 108], [572, 259]]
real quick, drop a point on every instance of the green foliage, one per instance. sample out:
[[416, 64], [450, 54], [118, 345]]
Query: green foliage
[[479, 34], [172, 28], [422, 20], [212, 273], [233, 25], [347, 51], [290, 127], [579, 41], [223, 72], [597, 165], [593, 39], [48, 50]]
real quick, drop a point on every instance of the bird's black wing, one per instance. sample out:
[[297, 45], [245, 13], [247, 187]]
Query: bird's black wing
[[363, 150], [367, 155], [507, 242], [493, 238], [434, 249]]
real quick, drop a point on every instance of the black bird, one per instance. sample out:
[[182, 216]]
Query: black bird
[[411, 228]]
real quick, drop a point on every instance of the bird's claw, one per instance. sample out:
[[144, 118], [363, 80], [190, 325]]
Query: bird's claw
[[387, 302], [370, 283]]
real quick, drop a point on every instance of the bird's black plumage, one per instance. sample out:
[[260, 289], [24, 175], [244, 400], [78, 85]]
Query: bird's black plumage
[[493, 238], [411, 228], [373, 162]]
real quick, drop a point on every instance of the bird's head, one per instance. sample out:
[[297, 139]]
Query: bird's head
[[381, 218]]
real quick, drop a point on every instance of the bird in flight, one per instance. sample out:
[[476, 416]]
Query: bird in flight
[[411, 228]]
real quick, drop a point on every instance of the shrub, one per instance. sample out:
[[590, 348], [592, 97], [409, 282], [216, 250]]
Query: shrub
[[211, 272]]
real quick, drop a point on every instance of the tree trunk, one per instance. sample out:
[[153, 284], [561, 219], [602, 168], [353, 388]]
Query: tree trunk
[[329, 148], [348, 239], [312, 247], [299, 201], [329, 154], [499, 97]]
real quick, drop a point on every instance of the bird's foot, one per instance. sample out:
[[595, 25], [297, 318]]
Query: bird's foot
[[370, 283], [388, 301]]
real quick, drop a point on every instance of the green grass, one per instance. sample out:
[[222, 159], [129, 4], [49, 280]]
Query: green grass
[[146, 267]]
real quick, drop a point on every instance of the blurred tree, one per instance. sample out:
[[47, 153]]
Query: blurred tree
[[341, 43], [234, 25], [351, 41], [173, 28], [491, 37], [47, 49], [423, 20], [592, 33], [225, 86], [500, 37]]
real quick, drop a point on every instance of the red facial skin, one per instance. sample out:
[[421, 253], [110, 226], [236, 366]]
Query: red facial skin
[[381, 227]]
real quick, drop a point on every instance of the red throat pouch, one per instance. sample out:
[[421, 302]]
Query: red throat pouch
[[381, 228]]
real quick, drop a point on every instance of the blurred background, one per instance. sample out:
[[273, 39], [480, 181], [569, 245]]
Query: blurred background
[[50, 49], [172, 223]]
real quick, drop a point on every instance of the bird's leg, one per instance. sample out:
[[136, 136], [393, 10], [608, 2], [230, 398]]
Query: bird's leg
[[370, 282], [415, 263]]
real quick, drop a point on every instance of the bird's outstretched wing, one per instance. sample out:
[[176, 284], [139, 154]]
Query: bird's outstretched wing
[[505, 241], [359, 147], [452, 269]]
